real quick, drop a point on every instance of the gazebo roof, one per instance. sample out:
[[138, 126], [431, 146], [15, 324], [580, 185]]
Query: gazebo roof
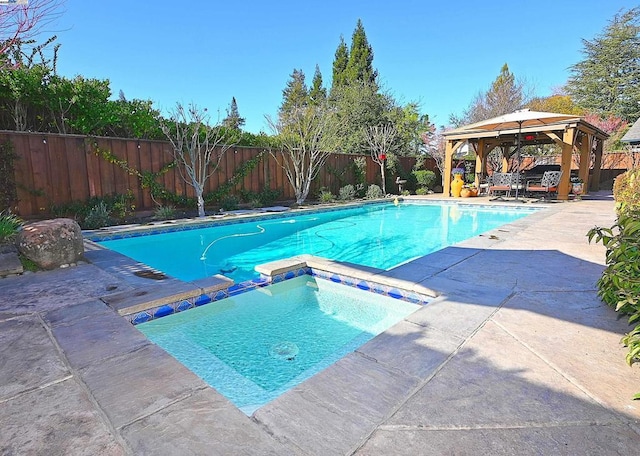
[[508, 125], [633, 135]]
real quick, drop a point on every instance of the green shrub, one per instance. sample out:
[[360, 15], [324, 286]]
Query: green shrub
[[269, 196], [264, 198], [118, 205], [27, 264], [360, 175], [425, 178], [619, 286], [9, 224], [97, 217], [121, 206], [164, 212], [626, 190], [406, 193], [347, 193], [325, 196], [422, 191], [229, 203], [374, 192]]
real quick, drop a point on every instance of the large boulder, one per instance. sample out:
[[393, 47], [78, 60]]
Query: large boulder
[[51, 243]]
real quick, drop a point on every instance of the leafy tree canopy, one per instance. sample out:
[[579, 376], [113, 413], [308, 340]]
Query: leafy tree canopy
[[411, 126], [34, 97], [562, 104], [607, 80], [358, 106]]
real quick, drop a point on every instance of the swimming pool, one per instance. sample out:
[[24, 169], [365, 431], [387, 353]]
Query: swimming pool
[[376, 235], [255, 346]]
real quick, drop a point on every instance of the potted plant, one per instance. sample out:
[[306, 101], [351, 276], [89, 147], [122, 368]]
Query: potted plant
[[469, 190], [577, 186]]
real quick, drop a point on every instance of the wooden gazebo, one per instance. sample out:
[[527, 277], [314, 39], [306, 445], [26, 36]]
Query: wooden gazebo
[[571, 133]]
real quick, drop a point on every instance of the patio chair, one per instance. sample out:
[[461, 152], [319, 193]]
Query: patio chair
[[484, 182], [548, 185], [501, 182]]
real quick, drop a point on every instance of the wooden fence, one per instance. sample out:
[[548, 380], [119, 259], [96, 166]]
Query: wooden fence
[[56, 169]]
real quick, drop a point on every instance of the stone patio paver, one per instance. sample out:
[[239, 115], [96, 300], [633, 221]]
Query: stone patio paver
[[203, 423], [559, 440], [331, 412], [142, 382], [59, 419], [494, 381], [91, 332], [28, 357], [577, 338]]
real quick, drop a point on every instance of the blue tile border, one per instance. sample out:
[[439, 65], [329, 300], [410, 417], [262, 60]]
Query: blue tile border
[[374, 287], [239, 288], [106, 234], [196, 301]]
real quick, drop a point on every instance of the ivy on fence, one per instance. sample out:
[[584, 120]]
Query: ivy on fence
[[149, 180]]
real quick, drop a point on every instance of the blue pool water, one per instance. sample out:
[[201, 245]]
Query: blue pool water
[[380, 236], [255, 346]]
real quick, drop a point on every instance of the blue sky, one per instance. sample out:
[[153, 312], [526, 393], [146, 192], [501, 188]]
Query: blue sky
[[440, 54]]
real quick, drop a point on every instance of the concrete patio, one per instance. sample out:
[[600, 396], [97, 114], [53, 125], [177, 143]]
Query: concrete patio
[[517, 355]]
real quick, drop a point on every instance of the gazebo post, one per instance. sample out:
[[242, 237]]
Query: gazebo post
[[585, 158], [597, 164], [481, 160], [448, 158], [565, 163]]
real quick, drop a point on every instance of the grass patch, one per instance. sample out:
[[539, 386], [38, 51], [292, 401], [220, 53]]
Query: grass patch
[[27, 264]]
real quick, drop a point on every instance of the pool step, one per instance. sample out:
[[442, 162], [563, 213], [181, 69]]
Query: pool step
[[358, 276], [167, 292]]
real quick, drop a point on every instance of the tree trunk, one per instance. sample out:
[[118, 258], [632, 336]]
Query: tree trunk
[[384, 183], [200, 204]]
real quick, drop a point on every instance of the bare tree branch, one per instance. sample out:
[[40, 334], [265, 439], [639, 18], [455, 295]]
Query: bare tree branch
[[307, 135], [21, 21], [433, 144], [197, 147], [382, 141]]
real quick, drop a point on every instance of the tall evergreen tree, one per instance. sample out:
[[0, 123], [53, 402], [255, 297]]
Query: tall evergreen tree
[[505, 95], [317, 93], [295, 95], [340, 62], [607, 81], [233, 119], [359, 104], [360, 64]]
